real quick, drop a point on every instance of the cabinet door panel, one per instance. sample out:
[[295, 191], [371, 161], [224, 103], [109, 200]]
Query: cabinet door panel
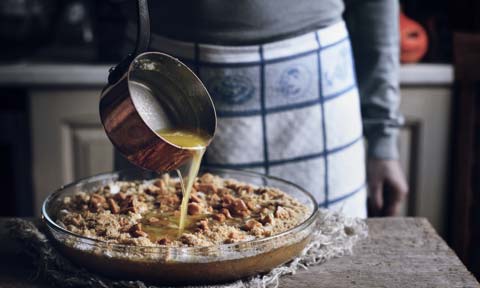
[[68, 141], [409, 147], [92, 152], [427, 114], [405, 147]]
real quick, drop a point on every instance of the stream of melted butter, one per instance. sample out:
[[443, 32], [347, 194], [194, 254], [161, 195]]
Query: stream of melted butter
[[193, 140]]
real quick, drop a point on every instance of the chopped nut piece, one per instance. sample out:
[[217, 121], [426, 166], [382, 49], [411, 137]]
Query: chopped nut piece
[[251, 224], [122, 221], [136, 231], [239, 208], [244, 214], [267, 219], [120, 196], [160, 184], [82, 198], [194, 209], [281, 213], [227, 200], [267, 233], [172, 200], [207, 188], [219, 217], [76, 220], [239, 205], [187, 239], [100, 198], [152, 220], [226, 212], [114, 208], [250, 189], [234, 186], [261, 190], [207, 178], [136, 227], [130, 204], [233, 237], [96, 202], [152, 190], [139, 234], [163, 241], [203, 225], [195, 198], [125, 210]]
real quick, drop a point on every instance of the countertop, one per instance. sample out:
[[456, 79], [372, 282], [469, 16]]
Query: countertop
[[34, 75], [399, 252]]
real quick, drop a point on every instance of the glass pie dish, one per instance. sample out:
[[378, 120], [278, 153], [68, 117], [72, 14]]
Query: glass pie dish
[[180, 265]]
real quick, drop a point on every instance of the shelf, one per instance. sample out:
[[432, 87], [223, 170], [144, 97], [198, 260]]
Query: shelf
[[28, 75], [426, 74]]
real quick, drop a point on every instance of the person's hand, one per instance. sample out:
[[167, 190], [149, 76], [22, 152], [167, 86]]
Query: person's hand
[[387, 187]]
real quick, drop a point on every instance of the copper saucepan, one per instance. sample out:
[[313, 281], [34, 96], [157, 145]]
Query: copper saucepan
[[156, 91]]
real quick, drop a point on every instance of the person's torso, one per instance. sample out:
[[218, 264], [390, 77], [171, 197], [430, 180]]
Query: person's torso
[[239, 22]]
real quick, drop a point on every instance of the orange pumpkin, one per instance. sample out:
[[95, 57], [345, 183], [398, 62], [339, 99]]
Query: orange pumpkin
[[413, 40]]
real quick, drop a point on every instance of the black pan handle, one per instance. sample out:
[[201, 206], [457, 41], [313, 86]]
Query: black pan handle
[[143, 27], [143, 40]]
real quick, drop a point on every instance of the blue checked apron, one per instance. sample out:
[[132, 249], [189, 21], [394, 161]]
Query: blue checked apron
[[288, 108]]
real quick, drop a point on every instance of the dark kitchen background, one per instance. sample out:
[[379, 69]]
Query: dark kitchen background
[[54, 58]]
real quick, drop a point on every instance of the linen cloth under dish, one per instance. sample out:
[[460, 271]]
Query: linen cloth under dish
[[335, 236]]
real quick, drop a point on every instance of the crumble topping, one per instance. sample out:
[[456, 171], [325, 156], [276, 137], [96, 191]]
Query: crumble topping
[[146, 213]]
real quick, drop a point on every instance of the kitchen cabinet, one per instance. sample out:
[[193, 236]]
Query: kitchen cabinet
[[424, 148], [68, 141], [426, 91]]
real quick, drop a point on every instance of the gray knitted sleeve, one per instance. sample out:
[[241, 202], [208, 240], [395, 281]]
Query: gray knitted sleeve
[[373, 25]]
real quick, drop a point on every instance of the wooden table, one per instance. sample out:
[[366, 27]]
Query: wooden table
[[400, 252]]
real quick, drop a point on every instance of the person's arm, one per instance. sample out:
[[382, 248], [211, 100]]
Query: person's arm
[[373, 26]]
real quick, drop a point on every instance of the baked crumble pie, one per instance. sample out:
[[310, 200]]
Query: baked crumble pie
[[146, 213]]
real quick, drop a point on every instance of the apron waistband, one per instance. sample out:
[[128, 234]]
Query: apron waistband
[[273, 51]]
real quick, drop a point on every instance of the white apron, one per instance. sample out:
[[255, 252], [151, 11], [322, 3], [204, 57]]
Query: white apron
[[289, 108]]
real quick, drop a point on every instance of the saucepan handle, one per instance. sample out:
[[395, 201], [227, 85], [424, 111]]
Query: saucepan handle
[[143, 40]]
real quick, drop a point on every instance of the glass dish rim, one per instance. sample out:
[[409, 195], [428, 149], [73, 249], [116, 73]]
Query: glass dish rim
[[53, 225]]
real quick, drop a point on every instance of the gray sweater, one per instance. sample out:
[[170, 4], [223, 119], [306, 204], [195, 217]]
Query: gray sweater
[[373, 25]]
